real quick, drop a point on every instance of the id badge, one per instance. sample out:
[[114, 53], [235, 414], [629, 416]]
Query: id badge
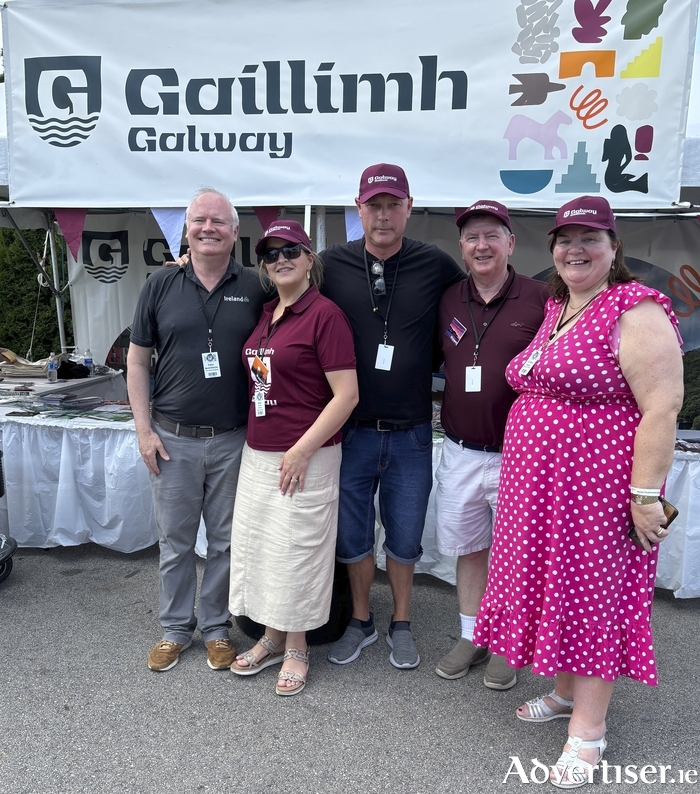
[[259, 400], [530, 363], [210, 362], [384, 356], [473, 379]]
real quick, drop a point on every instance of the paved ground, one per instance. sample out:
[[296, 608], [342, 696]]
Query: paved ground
[[80, 713]]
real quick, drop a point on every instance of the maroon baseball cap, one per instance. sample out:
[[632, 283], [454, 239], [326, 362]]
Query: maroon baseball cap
[[292, 231], [484, 207], [383, 178], [593, 211]]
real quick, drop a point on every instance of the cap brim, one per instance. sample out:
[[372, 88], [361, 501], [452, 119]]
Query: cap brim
[[260, 245], [593, 225], [464, 217], [375, 191]]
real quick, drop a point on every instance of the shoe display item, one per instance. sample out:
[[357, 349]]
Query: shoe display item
[[220, 653], [457, 662], [498, 674], [166, 655], [404, 653], [350, 645]]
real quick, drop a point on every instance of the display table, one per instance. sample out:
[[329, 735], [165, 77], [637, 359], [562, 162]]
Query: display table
[[678, 567], [111, 386]]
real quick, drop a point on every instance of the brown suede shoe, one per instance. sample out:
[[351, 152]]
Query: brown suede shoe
[[166, 655], [220, 653], [457, 662], [498, 674]]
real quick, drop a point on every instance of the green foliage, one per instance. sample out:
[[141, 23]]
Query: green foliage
[[18, 298], [690, 413]]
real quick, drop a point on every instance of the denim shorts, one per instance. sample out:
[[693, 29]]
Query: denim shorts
[[399, 463]]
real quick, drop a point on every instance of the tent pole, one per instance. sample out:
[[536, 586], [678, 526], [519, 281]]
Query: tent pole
[[320, 229], [58, 295], [307, 218]]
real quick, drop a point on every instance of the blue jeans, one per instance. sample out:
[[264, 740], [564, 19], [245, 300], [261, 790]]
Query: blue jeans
[[399, 463]]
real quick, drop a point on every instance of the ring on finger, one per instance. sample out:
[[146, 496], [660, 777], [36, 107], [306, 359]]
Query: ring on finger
[[295, 479], [660, 531]]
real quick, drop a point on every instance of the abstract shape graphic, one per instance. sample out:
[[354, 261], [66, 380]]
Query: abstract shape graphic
[[571, 63], [526, 181], [546, 134], [591, 19], [637, 102], [537, 38], [533, 88], [618, 154], [589, 107], [647, 63], [579, 177], [641, 17], [106, 254], [643, 141], [80, 83]]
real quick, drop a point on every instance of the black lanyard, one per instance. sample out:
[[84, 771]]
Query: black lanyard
[[391, 294], [479, 336], [210, 320]]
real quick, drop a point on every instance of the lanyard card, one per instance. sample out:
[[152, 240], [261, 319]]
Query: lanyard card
[[259, 400], [384, 356], [210, 362], [530, 363], [473, 379]]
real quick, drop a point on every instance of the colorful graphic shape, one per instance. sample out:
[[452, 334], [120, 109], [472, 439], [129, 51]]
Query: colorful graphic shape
[[537, 38], [590, 18], [643, 141], [641, 17], [647, 63], [637, 102], [618, 154], [546, 134], [533, 88], [571, 63], [579, 176], [526, 181]]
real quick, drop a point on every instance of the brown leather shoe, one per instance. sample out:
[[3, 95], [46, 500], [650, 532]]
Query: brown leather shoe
[[166, 655], [220, 653]]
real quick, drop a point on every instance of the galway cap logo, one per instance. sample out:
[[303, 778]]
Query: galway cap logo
[[63, 97], [593, 211], [383, 178], [484, 207], [291, 231]]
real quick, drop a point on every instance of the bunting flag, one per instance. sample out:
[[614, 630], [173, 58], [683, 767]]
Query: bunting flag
[[267, 215], [171, 222], [353, 224], [71, 223]]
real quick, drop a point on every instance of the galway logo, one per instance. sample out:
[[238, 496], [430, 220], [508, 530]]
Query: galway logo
[[63, 97], [381, 179], [106, 255], [583, 211]]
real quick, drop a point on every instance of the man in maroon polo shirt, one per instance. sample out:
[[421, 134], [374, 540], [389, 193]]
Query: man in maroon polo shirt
[[483, 323]]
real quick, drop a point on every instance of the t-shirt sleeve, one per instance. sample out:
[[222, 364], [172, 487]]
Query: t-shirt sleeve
[[334, 342], [450, 271], [143, 327]]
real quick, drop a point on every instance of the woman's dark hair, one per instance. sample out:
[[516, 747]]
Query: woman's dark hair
[[619, 272]]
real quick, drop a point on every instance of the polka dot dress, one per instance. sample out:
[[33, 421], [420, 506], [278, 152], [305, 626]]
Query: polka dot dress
[[567, 590]]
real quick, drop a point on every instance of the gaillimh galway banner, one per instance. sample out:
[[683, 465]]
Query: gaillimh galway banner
[[132, 104]]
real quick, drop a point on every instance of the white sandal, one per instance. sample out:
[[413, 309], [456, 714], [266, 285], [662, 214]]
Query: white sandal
[[539, 711], [570, 771]]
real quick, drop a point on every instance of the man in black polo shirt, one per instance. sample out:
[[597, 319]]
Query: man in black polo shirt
[[197, 318], [483, 323], [389, 288]]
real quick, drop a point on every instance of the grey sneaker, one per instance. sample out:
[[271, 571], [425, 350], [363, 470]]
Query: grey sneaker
[[498, 674], [404, 653], [457, 662], [350, 645]]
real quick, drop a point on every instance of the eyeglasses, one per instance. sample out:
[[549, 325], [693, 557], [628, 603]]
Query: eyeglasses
[[270, 256], [378, 285]]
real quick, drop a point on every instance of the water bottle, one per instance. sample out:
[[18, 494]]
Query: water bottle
[[87, 361], [52, 369]]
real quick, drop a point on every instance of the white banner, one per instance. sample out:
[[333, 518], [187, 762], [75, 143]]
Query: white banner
[[132, 104]]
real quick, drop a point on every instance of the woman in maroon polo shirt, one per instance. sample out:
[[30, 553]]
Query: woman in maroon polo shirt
[[303, 387]]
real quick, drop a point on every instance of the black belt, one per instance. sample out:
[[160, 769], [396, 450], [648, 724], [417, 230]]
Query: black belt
[[475, 447], [381, 424], [191, 431]]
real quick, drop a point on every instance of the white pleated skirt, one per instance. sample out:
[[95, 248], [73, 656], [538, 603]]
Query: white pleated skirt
[[282, 547]]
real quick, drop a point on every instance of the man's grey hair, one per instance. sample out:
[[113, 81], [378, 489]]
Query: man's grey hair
[[203, 191], [488, 216]]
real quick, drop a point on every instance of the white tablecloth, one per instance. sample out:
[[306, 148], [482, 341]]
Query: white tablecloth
[[678, 567]]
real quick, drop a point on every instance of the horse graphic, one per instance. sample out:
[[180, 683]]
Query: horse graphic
[[546, 134]]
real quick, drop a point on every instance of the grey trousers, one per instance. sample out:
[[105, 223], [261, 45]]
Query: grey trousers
[[199, 479]]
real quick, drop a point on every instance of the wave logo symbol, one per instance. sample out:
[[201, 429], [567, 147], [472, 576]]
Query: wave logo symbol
[[106, 255], [63, 97]]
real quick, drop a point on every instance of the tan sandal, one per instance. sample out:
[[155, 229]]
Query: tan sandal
[[299, 681], [254, 664]]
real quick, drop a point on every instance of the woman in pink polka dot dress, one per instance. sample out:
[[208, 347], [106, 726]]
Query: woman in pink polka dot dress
[[600, 388]]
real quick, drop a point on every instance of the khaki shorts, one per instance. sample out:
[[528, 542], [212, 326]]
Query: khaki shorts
[[466, 495]]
